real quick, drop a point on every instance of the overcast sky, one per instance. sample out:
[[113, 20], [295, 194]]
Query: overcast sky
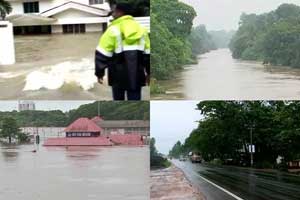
[[172, 121], [225, 14], [44, 105]]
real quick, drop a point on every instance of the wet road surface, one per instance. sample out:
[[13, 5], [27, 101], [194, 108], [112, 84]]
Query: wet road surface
[[54, 67], [77, 173], [218, 76], [247, 184]]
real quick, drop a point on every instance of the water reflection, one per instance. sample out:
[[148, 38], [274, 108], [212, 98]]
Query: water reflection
[[77, 173]]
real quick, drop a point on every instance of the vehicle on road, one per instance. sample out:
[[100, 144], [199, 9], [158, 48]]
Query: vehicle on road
[[195, 158], [182, 158]]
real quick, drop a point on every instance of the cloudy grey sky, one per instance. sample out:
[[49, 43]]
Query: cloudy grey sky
[[44, 105], [225, 14], [172, 121]]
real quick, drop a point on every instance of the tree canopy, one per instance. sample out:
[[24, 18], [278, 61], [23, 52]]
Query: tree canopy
[[108, 110], [5, 8], [224, 133], [175, 40], [273, 38], [9, 129]]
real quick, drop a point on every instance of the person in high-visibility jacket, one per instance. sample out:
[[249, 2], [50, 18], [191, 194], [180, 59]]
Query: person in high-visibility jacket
[[124, 49]]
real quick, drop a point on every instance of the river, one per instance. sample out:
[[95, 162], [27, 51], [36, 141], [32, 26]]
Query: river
[[54, 67], [218, 76], [77, 173]]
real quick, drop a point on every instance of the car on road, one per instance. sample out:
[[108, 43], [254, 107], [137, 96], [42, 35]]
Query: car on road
[[195, 158], [182, 158]]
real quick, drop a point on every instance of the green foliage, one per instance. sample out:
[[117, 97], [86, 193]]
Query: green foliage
[[176, 151], [113, 110], [156, 160], [177, 16], [5, 9], [273, 38], [224, 133], [201, 40], [156, 88], [171, 25], [10, 129]]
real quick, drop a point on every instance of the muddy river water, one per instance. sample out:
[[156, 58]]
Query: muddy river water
[[77, 173], [218, 76], [54, 67]]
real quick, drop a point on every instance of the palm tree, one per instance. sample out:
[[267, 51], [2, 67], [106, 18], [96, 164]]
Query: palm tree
[[5, 8]]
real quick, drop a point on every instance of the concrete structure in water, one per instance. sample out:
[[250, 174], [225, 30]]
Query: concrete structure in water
[[7, 47], [58, 16]]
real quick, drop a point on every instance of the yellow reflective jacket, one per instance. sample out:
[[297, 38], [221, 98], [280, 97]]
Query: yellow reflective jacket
[[124, 49]]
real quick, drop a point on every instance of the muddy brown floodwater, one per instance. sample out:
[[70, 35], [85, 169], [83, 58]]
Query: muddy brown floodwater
[[77, 173], [54, 67], [218, 76]]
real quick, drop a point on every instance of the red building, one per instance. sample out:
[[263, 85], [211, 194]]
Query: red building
[[83, 127], [85, 132]]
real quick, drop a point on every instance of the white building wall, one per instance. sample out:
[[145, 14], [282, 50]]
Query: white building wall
[[48, 4], [7, 48]]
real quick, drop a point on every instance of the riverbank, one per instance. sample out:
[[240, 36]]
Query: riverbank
[[171, 184]]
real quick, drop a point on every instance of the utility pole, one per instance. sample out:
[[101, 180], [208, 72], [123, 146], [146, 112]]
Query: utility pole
[[251, 145], [98, 108]]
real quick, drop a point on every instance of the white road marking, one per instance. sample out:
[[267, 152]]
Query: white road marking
[[219, 187]]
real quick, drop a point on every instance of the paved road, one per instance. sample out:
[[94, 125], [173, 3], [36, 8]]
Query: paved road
[[236, 183]]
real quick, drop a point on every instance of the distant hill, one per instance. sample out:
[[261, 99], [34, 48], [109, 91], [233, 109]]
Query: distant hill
[[109, 110]]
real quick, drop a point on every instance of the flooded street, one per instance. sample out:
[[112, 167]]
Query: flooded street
[[106, 173], [241, 183], [54, 67], [218, 76]]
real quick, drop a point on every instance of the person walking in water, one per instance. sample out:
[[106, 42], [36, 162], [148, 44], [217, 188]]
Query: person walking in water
[[124, 49]]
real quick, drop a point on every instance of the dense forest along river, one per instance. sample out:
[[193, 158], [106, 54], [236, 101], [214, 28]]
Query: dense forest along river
[[54, 67], [77, 173], [218, 76]]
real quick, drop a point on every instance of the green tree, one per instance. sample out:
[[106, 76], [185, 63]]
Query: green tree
[[5, 8], [273, 38], [224, 133], [9, 129]]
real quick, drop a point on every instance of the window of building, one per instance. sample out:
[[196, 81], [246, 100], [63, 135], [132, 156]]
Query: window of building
[[31, 7], [74, 28], [96, 2]]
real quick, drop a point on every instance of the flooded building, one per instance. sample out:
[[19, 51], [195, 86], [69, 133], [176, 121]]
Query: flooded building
[[110, 127], [89, 132], [58, 16], [83, 127]]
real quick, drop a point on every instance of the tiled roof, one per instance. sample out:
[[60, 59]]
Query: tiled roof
[[83, 125]]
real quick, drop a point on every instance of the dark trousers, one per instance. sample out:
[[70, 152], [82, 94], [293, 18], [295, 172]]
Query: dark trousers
[[132, 95]]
